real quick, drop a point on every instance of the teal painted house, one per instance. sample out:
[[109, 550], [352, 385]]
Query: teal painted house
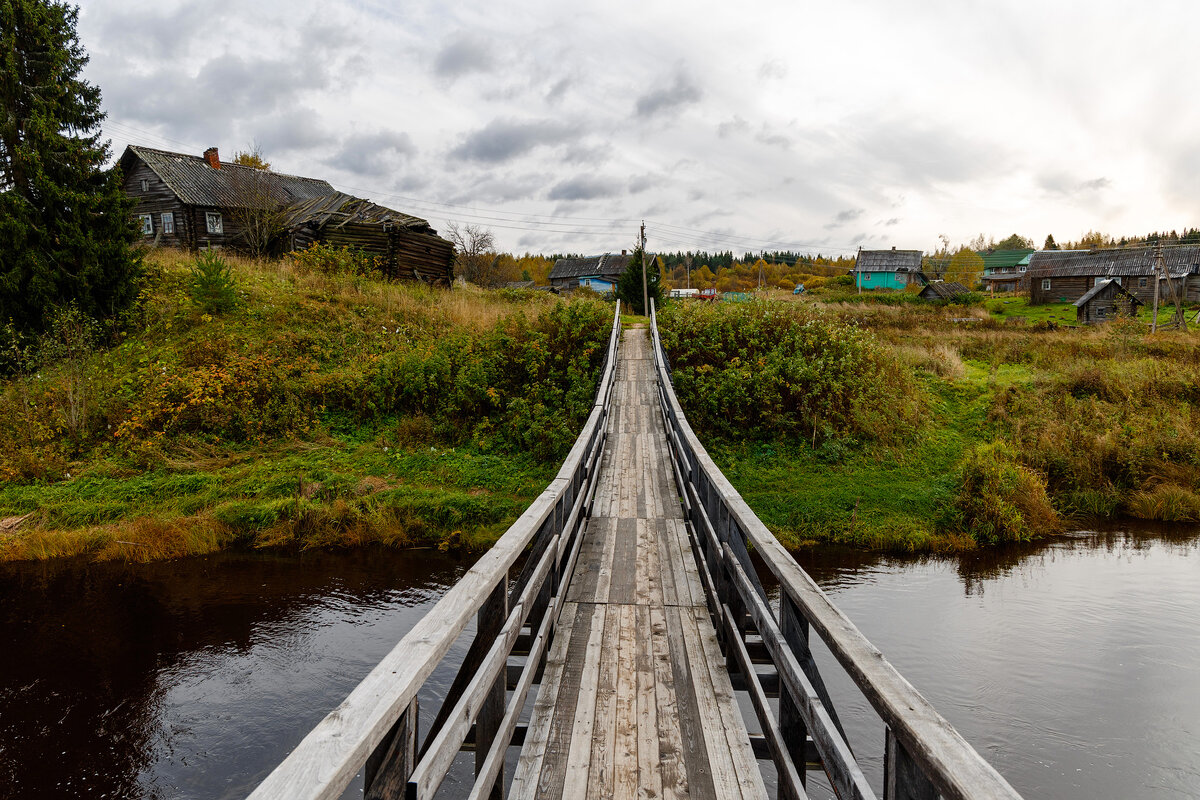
[[888, 269]]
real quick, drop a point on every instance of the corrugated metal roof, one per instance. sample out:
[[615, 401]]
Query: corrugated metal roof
[[889, 260], [1124, 262], [607, 265], [196, 183], [1003, 259]]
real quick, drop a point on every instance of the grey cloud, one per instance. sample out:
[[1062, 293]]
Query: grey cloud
[[842, 217], [296, 129], [367, 153], [918, 155], [774, 139], [1095, 185], [504, 139], [463, 55], [680, 93], [584, 187], [1061, 183], [730, 127], [641, 183], [503, 188], [588, 154], [773, 68], [558, 91], [166, 35], [892, 221]]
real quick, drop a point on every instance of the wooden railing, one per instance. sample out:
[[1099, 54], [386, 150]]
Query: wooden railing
[[375, 728], [924, 758]]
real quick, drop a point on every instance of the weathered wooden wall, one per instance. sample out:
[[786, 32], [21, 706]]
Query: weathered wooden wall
[[1071, 288], [157, 200], [405, 254]]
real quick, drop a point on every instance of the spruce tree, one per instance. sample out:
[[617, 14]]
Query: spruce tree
[[1050, 243], [66, 233], [629, 285]]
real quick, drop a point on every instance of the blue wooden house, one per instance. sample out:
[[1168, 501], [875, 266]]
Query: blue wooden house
[[888, 269], [598, 273]]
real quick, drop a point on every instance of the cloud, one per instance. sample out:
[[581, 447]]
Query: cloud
[[842, 217], [504, 139], [892, 221], [463, 55], [1095, 185], [558, 91], [584, 187], [772, 69], [730, 127], [774, 139], [641, 183], [369, 153], [588, 154], [662, 101]]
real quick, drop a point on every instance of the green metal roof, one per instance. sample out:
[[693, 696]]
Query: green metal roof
[[1003, 259]]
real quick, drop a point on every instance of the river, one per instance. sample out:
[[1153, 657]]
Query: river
[[1071, 665]]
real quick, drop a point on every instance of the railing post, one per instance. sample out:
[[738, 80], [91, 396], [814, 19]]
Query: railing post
[[902, 778], [491, 621], [794, 628], [390, 765]]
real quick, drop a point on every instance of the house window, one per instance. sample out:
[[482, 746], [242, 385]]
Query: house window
[[147, 224], [1141, 283], [866, 277], [1045, 284], [1102, 312], [145, 185], [213, 220], [168, 222], [1099, 281], [1024, 268]]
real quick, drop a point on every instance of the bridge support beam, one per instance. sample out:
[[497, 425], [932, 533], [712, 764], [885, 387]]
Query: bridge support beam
[[902, 777], [491, 621], [389, 767]]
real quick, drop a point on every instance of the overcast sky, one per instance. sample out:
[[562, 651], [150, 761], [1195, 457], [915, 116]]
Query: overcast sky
[[744, 126]]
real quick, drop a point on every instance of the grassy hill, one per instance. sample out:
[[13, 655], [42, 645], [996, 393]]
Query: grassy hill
[[296, 403]]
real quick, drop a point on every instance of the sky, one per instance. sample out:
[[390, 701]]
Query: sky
[[804, 126]]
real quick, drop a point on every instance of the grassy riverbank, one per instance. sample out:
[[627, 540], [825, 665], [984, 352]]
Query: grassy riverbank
[[318, 407], [977, 432]]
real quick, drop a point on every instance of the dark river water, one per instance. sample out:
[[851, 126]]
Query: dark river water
[[1074, 666]]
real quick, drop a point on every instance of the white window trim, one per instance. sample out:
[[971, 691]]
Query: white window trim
[[145, 185], [167, 218], [1142, 283], [213, 222], [147, 224], [1045, 284]]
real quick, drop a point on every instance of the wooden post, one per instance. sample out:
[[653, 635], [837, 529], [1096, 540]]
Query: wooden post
[[491, 620], [389, 767], [1158, 260], [902, 778], [794, 628]]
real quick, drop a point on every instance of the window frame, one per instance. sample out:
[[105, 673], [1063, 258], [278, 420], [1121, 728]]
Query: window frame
[[147, 221], [1142, 282], [1045, 284], [213, 223], [145, 184], [167, 220]]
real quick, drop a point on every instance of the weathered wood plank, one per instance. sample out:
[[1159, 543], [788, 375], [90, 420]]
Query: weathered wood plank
[[604, 729], [695, 751], [670, 743], [625, 746], [579, 754], [649, 768]]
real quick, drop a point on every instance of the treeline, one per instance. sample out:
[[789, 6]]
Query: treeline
[[727, 273]]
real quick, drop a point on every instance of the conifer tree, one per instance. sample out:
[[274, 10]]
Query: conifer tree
[[1050, 243], [629, 285], [66, 234]]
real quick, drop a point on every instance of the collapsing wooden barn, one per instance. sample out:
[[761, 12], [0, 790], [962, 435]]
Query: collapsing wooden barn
[[406, 246]]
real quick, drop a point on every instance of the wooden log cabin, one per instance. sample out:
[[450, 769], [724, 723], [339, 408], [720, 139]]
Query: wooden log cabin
[[1064, 276], [192, 202]]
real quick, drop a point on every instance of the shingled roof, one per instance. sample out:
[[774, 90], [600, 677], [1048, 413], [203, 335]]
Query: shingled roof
[[607, 265], [196, 183], [1100, 287], [1124, 262], [944, 290], [1004, 259], [889, 260]]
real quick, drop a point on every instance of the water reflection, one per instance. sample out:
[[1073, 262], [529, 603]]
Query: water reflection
[[1070, 664], [190, 678]]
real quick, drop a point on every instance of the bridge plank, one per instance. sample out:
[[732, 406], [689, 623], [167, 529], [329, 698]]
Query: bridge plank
[[579, 755], [650, 779], [604, 730], [670, 743]]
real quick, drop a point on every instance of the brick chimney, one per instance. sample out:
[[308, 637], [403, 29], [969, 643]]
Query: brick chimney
[[213, 159]]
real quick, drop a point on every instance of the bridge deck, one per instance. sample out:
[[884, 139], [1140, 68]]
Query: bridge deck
[[635, 700]]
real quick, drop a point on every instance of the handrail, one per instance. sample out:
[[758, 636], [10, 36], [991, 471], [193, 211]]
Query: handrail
[[375, 727], [925, 756]]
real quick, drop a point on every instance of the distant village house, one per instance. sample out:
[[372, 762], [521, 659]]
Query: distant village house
[[888, 269], [941, 290], [598, 273], [193, 202], [1005, 270]]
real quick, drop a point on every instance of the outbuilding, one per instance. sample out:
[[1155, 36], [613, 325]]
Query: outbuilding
[[941, 290], [598, 273], [888, 269], [1104, 301]]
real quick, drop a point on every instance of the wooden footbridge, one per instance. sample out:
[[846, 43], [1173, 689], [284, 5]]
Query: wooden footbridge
[[627, 596]]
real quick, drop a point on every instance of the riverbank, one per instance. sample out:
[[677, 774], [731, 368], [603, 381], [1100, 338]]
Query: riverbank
[[982, 431], [319, 407]]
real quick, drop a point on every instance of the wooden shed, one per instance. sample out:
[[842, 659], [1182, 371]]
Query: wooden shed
[[1104, 301], [888, 269], [599, 273], [941, 290]]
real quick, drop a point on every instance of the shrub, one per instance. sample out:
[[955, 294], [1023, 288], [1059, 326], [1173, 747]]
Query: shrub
[[330, 260], [212, 286], [1000, 500]]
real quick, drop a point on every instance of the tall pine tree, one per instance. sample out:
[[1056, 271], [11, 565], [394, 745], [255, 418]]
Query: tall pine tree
[[629, 285], [66, 234]]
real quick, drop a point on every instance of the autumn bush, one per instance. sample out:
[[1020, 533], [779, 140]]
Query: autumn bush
[[762, 370]]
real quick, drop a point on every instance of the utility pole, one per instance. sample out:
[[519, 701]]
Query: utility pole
[[857, 276], [645, 291], [1158, 262]]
